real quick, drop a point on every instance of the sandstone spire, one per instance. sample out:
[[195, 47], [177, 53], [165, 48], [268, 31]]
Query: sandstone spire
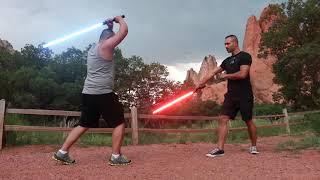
[[6, 46]]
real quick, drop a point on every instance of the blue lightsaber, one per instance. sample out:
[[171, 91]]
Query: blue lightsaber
[[60, 40]]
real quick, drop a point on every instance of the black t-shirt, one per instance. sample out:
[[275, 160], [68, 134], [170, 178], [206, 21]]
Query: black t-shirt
[[241, 87]]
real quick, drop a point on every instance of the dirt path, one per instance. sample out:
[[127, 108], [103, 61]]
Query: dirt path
[[164, 161]]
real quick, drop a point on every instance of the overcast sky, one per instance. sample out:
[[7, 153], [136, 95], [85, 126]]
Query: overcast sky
[[175, 33]]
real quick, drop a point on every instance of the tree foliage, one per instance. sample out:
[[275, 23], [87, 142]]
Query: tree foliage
[[35, 78], [142, 85], [294, 39]]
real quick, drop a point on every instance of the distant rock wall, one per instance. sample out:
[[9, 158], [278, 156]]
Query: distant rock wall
[[261, 70], [6, 46]]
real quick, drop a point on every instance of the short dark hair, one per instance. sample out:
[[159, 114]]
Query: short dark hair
[[105, 34], [234, 37]]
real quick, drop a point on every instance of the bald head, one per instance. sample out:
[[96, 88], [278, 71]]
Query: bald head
[[106, 34]]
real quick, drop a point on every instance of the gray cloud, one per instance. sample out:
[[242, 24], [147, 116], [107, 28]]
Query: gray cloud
[[165, 31]]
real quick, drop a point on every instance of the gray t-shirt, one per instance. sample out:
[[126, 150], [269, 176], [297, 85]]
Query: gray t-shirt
[[100, 73]]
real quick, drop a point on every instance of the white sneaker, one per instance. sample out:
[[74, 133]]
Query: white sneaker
[[253, 150]]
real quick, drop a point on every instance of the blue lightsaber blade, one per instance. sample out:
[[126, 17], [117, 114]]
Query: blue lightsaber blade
[[60, 40]]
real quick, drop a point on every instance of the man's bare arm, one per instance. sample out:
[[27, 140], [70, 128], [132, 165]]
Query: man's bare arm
[[208, 77], [107, 47], [242, 74]]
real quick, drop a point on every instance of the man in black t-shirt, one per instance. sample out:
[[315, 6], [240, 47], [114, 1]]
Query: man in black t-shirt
[[239, 95]]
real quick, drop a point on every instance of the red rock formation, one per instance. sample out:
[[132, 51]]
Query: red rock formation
[[213, 91], [261, 69]]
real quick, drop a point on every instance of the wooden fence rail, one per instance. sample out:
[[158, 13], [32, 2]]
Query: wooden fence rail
[[133, 117]]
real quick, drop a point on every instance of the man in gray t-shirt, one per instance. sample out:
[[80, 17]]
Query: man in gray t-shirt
[[98, 98]]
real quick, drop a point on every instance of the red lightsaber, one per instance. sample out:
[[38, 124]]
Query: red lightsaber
[[176, 100]]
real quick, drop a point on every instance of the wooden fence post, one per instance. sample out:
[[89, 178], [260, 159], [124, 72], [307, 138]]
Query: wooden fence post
[[286, 120], [2, 111], [134, 125]]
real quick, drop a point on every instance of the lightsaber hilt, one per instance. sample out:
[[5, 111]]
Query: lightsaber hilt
[[199, 88], [106, 21]]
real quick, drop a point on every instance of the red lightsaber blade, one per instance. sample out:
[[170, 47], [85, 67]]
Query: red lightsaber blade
[[178, 99], [173, 102]]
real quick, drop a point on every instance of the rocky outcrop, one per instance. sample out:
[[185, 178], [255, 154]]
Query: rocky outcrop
[[213, 91], [192, 76], [261, 70], [5, 45]]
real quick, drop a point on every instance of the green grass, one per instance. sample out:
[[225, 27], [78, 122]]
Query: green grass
[[152, 138], [182, 138], [23, 138], [306, 143], [94, 139], [310, 130], [16, 119], [57, 138]]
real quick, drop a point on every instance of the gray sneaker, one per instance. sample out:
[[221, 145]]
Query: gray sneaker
[[63, 158], [121, 160], [253, 150]]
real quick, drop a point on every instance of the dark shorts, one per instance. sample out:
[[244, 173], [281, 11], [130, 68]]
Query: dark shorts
[[105, 105], [231, 106]]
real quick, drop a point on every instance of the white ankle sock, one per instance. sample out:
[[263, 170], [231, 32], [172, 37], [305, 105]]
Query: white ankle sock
[[115, 155], [63, 152]]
